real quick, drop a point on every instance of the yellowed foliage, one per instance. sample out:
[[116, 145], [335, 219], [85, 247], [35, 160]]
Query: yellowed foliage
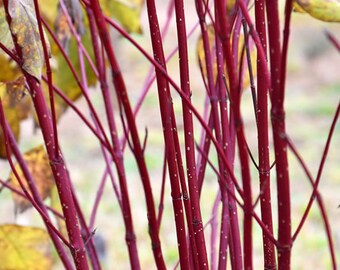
[[230, 6], [9, 69], [49, 10], [39, 167], [24, 248], [127, 12], [201, 57], [324, 10], [17, 106], [298, 8]]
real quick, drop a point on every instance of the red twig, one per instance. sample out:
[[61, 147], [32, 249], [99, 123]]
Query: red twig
[[166, 108], [333, 39], [124, 100], [263, 140], [57, 163], [315, 185], [49, 76], [197, 224], [35, 198], [117, 153]]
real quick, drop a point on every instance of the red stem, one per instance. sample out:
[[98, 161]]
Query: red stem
[[81, 86], [161, 199], [333, 40], [231, 57], [57, 163], [161, 69], [49, 75], [189, 139], [202, 161], [124, 100], [35, 198], [60, 175], [212, 92], [86, 234], [118, 157], [230, 227], [214, 232], [237, 201], [315, 185], [167, 116], [103, 141], [263, 140], [191, 223], [277, 62]]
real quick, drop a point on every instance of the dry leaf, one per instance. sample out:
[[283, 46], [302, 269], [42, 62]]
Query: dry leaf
[[5, 34], [63, 29], [39, 167], [9, 69], [24, 248], [24, 26]]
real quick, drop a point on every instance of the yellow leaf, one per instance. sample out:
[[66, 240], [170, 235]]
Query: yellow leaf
[[127, 12], [230, 6], [324, 10], [19, 98], [24, 248], [38, 165], [49, 10], [297, 8], [17, 106], [9, 69]]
